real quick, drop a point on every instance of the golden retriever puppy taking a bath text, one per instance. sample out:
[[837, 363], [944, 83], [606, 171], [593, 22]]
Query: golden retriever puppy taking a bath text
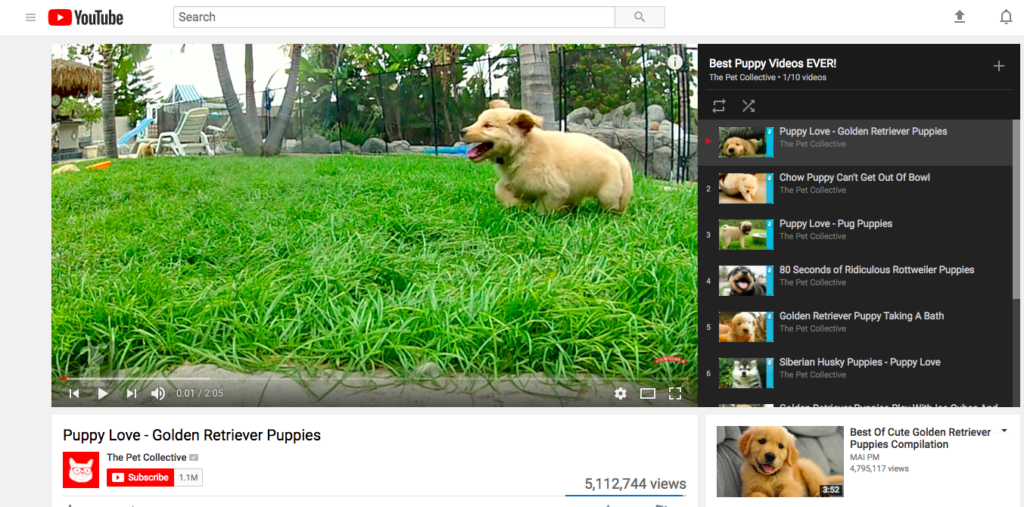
[[773, 467], [554, 170]]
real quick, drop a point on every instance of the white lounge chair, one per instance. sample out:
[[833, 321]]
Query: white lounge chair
[[220, 135], [189, 137]]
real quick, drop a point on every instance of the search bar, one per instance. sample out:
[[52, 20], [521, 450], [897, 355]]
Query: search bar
[[469, 17]]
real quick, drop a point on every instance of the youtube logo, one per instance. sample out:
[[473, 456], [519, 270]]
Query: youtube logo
[[60, 17]]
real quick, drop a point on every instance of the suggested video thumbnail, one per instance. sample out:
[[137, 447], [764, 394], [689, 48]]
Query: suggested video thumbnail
[[745, 281], [780, 461], [745, 373], [746, 234], [746, 142], [745, 188], [745, 327]]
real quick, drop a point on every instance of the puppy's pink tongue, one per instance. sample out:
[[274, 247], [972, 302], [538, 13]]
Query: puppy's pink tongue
[[767, 468], [743, 285]]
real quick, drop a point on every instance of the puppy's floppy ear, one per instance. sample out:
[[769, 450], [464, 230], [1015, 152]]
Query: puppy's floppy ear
[[745, 441], [792, 454], [526, 121]]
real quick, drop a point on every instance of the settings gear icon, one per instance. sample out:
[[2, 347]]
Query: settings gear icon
[[620, 394]]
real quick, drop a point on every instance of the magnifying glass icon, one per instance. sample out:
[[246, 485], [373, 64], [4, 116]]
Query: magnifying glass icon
[[639, 16]]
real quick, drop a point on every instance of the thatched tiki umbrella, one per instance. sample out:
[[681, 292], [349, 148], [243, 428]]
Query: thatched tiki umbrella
[[73, 79]]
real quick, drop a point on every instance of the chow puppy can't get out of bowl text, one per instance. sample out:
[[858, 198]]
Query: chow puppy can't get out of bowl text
[[554, 170]]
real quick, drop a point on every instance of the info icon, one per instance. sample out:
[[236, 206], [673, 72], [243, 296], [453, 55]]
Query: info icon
[[81, 470], [675, 62]]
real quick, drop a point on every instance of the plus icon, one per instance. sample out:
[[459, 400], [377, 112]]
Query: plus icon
[[999, 66]]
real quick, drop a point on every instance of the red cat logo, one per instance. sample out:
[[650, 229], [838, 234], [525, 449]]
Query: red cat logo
[[81, 470]]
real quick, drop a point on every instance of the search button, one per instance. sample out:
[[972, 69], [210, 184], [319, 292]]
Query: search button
[[639, 17]]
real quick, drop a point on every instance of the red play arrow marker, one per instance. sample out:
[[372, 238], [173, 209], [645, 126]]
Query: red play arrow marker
[[707, 141]]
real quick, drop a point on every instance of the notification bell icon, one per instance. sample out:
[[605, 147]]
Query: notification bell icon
[[1006, 17]]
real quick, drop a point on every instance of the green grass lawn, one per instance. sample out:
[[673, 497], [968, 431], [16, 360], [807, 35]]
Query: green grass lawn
[[750, 242], [363, 264]]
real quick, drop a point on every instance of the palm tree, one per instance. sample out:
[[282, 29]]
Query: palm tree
[[248, 136], [445, 58], [272, 145], [535, 72], [128, 55], [243, 129], [251, 113]]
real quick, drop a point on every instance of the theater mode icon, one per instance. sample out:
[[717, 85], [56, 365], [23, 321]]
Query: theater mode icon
[[60, 17]]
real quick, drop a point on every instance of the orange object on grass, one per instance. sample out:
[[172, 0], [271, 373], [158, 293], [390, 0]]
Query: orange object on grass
[[101, 165]]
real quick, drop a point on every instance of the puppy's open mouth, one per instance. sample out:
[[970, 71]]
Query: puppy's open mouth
[[477, 152], [742, 284], [767, 469]]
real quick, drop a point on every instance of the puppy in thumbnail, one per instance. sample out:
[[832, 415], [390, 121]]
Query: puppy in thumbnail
[[734, 142], [750, 234], [741, 373], [743, 281], [743, 188], [777, 461], [742, 327]]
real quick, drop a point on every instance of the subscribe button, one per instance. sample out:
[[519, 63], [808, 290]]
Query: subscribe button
[[140, 477]]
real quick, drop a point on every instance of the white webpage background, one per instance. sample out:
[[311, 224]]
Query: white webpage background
[[25, 192]]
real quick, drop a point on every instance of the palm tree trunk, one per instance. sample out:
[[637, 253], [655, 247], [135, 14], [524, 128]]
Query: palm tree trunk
[[107, 105], [272, 146], [251, 110], [538, 93], [246, 137]]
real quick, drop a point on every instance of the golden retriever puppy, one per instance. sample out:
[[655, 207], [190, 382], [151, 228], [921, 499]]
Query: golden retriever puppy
[[739, 147], [742, 328], [66, 168], [556, 171], [730, 234], [145, 150], [739, 184], [773, 466], [499, 104]]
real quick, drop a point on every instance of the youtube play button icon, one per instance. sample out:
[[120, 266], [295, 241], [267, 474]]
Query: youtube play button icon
[[60, 17]]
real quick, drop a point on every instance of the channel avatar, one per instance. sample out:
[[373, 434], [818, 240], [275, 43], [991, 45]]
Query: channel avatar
[[81, 469]]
